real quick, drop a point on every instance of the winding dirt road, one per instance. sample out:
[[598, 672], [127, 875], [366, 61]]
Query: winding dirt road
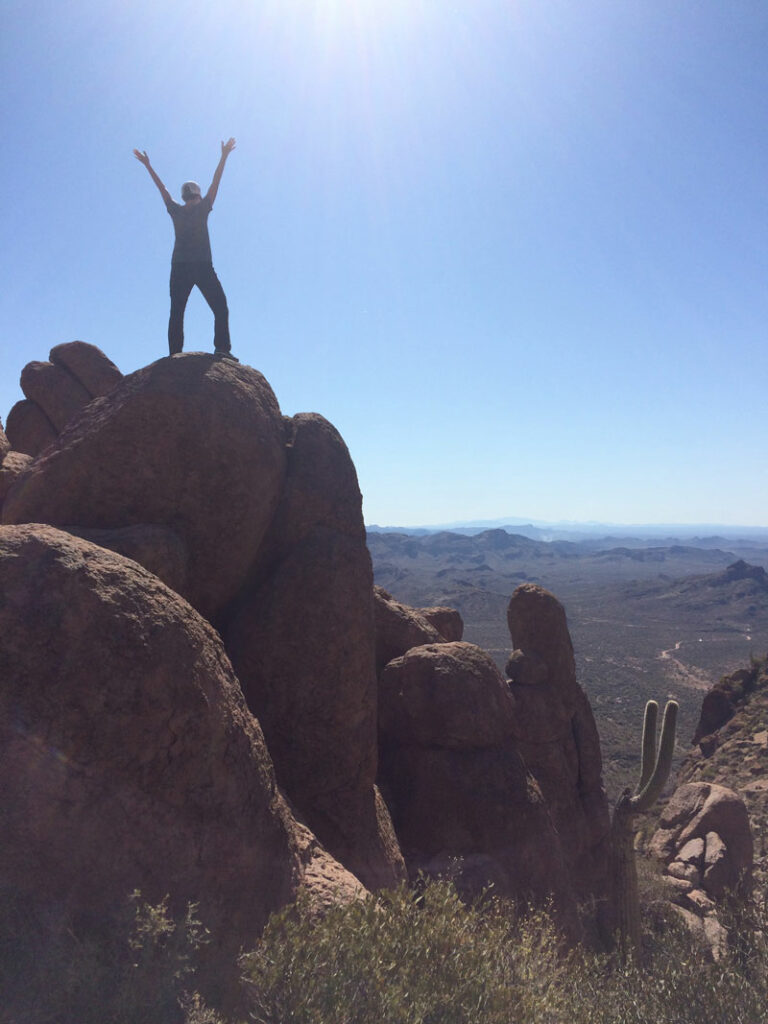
[[685, 675]]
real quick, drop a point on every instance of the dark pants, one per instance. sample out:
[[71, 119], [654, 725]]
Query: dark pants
[[184, 277]]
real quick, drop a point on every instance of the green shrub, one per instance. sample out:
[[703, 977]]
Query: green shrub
[[136, 971], [402, 959]]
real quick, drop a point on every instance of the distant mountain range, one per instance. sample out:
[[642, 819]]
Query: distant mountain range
[[704, 534]]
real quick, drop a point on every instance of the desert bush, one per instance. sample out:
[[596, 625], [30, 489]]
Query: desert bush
[[138, 969], [402, 959]]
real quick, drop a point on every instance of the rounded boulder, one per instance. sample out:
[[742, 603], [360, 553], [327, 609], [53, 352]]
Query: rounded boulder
[[193, 443], [448, 695]]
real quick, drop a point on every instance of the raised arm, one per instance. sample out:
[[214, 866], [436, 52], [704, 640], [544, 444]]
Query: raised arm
[[226, 149], [144, 159]]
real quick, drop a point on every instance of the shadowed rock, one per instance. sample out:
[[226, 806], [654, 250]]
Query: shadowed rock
[[192, 443], [716, 817], [88, 365], [128, 758], [60, 395], [447, 621], [28, 429], [5, 444], [447, 695], [398, 628], [11, 468], [302, 644], [461, 799], [555, 732], [157, 548]]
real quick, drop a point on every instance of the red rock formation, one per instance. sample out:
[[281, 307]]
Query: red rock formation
[[706, 827], [60, 395], [193, 443], [704, 840], [157, 548], [301, 642], [447, 621], [556, 735], [87, 364], [399, 628], [447, 695], [127, 755], [28, 428], [56, 391], [11, 468], [461, 799], [5, 444]]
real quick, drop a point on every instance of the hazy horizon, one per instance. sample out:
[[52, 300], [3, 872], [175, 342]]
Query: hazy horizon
[[514, 250], [569, 524]]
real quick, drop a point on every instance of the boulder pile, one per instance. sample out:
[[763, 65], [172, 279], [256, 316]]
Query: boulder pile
[[704, 840], [203, 693]]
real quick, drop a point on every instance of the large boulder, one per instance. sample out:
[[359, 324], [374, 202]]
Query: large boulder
[[60, 395], [707, 826], [447, 621], [448, 695], [462, 801], [128, 758], [398, 628], [302, 643], [194, 443], [555, 732], [28, 428], [87, 364]]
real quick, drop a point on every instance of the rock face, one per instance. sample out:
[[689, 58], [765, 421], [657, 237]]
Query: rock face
[[11, 467], [194, 444], [705, 842], [88, 365], [398, 628], [461, 799], [182, 467], [447, 695], [447, 621], [56, 391], [555, 732], [493, 781], [5, 444], [28, 428], [133, 754], [704, 836], [112, 686], [721, 703], [302, 644]]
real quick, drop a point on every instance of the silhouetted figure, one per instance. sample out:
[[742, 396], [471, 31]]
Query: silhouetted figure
[[191, 263]]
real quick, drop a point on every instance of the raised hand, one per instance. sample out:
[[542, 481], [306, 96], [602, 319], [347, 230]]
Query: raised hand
[[227, 147], [142, 157]]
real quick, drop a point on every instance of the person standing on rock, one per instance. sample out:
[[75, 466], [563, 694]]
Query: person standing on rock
[[191, 263]]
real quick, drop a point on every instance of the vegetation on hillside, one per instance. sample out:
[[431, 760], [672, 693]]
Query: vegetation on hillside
[[404, 957]]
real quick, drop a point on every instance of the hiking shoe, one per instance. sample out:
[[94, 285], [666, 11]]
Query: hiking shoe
[[227, 355]]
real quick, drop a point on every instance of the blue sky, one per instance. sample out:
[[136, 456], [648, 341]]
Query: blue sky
[[515, 250]]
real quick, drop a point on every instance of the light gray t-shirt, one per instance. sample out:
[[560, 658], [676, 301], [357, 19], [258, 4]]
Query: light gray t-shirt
[[191, 226]]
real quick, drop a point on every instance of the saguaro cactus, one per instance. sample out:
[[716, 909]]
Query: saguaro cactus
[[655, 765]]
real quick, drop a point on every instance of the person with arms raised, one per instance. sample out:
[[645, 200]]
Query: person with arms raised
[[191, 262]]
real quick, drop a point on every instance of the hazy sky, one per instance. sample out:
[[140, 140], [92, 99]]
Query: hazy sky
[[515, 250]]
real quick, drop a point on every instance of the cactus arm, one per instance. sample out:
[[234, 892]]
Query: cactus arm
[[651, 791], [652, 779], [648, 754]]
